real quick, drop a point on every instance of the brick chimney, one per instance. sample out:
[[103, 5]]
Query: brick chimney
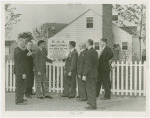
[[107, 23]]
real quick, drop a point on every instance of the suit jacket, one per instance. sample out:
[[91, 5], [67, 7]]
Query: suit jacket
[[91, 64], [81, 61], [71, 62], [39, 59], [106, 55], [20, 64], [29, 61]]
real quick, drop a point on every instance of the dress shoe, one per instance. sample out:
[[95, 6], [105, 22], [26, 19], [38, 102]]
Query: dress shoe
[[24, 100], [71, 97], [105, 98], [64, 96], [28, 97], [33, 94], [80, 100], [90, 108], [21, 103], [88, 103], [41, 97], [49, 97], [78, 97]]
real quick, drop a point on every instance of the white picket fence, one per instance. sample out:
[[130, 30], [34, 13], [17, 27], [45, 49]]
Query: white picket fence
[[126, 78]]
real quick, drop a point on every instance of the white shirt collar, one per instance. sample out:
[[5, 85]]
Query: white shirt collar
[[82, 50], [90, 47], [20, 47], [40, 48], [28, 49], [104, 47], [72, 50]]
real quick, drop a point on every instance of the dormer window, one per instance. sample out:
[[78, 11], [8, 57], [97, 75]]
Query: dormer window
[[89, 22]]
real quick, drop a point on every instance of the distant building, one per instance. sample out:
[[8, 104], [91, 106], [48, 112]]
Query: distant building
[[10, 45], [54, 28]]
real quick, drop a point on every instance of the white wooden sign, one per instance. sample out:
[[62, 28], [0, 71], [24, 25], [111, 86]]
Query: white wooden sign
[[57, 49]]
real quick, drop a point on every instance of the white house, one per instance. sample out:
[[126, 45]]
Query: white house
[[91, 25]]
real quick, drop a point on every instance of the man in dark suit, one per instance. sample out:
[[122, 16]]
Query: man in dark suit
[[80, 67], [40, 71], [104, 70], [90, 74], [20, 71], [70, 72], [30, 73]]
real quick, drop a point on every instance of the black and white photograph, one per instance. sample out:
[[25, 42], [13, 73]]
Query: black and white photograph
[[75, 56]]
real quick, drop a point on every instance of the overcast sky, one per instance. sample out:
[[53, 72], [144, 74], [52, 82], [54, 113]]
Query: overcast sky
[[34, 15]]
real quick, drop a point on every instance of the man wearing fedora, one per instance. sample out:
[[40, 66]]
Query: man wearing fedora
[[70, 72], [104, 70], [80, 67]]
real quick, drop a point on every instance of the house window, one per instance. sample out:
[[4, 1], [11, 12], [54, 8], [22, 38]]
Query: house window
[[96, 45], [124, 46], [89, 22]]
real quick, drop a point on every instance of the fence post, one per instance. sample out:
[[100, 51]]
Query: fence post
[[118, 77], [113, 80], [7, 65], [58, 77], [61, 77], [140, 78], [50, 77], [144, 79], [130, 78], [127, 78], [135, 78], [54, 76], [122, 78], [10, 76]]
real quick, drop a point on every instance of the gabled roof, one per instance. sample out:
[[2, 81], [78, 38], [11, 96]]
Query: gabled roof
[[130, 29], [76, 19], [9, 42]]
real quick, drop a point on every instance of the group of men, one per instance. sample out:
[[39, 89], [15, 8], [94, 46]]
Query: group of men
[[28, 64], [90, 69]]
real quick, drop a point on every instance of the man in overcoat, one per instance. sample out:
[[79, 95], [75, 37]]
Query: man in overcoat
[[30, 73], [40, 58], [70, 72], [104, 70], [80, 67], [90, 74], [20, 70]]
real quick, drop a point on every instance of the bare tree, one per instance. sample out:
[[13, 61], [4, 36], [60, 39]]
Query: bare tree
[[40, 33], [134, 13], [10, 18]]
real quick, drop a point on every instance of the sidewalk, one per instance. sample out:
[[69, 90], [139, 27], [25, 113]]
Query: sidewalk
[[65, 104]]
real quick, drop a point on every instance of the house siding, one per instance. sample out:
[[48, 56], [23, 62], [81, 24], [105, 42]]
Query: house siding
[[136, 49], [122, 36], [77, 31]]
